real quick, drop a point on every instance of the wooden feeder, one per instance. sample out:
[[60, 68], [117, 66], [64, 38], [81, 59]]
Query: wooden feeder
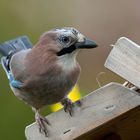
[[109, 113]]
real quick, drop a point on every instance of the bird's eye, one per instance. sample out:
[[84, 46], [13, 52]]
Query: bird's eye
[[65, 39]]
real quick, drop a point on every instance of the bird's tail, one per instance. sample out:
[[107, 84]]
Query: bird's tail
[[15, 45]]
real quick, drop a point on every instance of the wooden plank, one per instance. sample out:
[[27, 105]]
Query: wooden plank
[[124, 60], [123, 127], [98, 108]]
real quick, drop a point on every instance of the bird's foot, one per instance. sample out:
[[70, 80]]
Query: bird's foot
[[42, 121], [68, 106]]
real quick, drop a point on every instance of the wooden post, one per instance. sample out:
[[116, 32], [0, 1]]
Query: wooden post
[[111, 111]]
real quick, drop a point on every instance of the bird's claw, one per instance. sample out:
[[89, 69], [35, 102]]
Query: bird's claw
[[42, 121], [68, 106]]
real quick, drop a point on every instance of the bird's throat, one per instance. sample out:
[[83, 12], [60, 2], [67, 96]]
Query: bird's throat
[[68, 62]]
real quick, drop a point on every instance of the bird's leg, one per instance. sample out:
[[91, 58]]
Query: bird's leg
[[68, 105], [41, 121]]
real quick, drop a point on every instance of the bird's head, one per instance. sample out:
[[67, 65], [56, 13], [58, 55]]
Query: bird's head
[[62, 45], [65, 41]]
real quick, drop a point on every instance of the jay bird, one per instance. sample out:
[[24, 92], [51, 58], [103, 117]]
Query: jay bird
[[46, 73]]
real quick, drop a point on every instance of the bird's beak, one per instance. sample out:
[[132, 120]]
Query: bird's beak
[[86, 44]]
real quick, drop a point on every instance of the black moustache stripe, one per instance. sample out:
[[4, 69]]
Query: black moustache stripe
[[66, 50]]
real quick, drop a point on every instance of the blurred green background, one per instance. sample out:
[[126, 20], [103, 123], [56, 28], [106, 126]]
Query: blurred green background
[[103, 21]]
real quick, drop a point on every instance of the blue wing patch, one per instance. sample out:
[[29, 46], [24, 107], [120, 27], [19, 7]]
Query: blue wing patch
[[13, 82]]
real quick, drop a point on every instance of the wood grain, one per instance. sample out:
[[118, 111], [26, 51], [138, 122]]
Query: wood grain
[[124, 60], [104, 111]]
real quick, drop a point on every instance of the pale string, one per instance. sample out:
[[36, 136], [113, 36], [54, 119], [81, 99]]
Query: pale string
[[97, 78]]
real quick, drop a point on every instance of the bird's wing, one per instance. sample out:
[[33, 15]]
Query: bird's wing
[[9, 49], [18, 65]]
